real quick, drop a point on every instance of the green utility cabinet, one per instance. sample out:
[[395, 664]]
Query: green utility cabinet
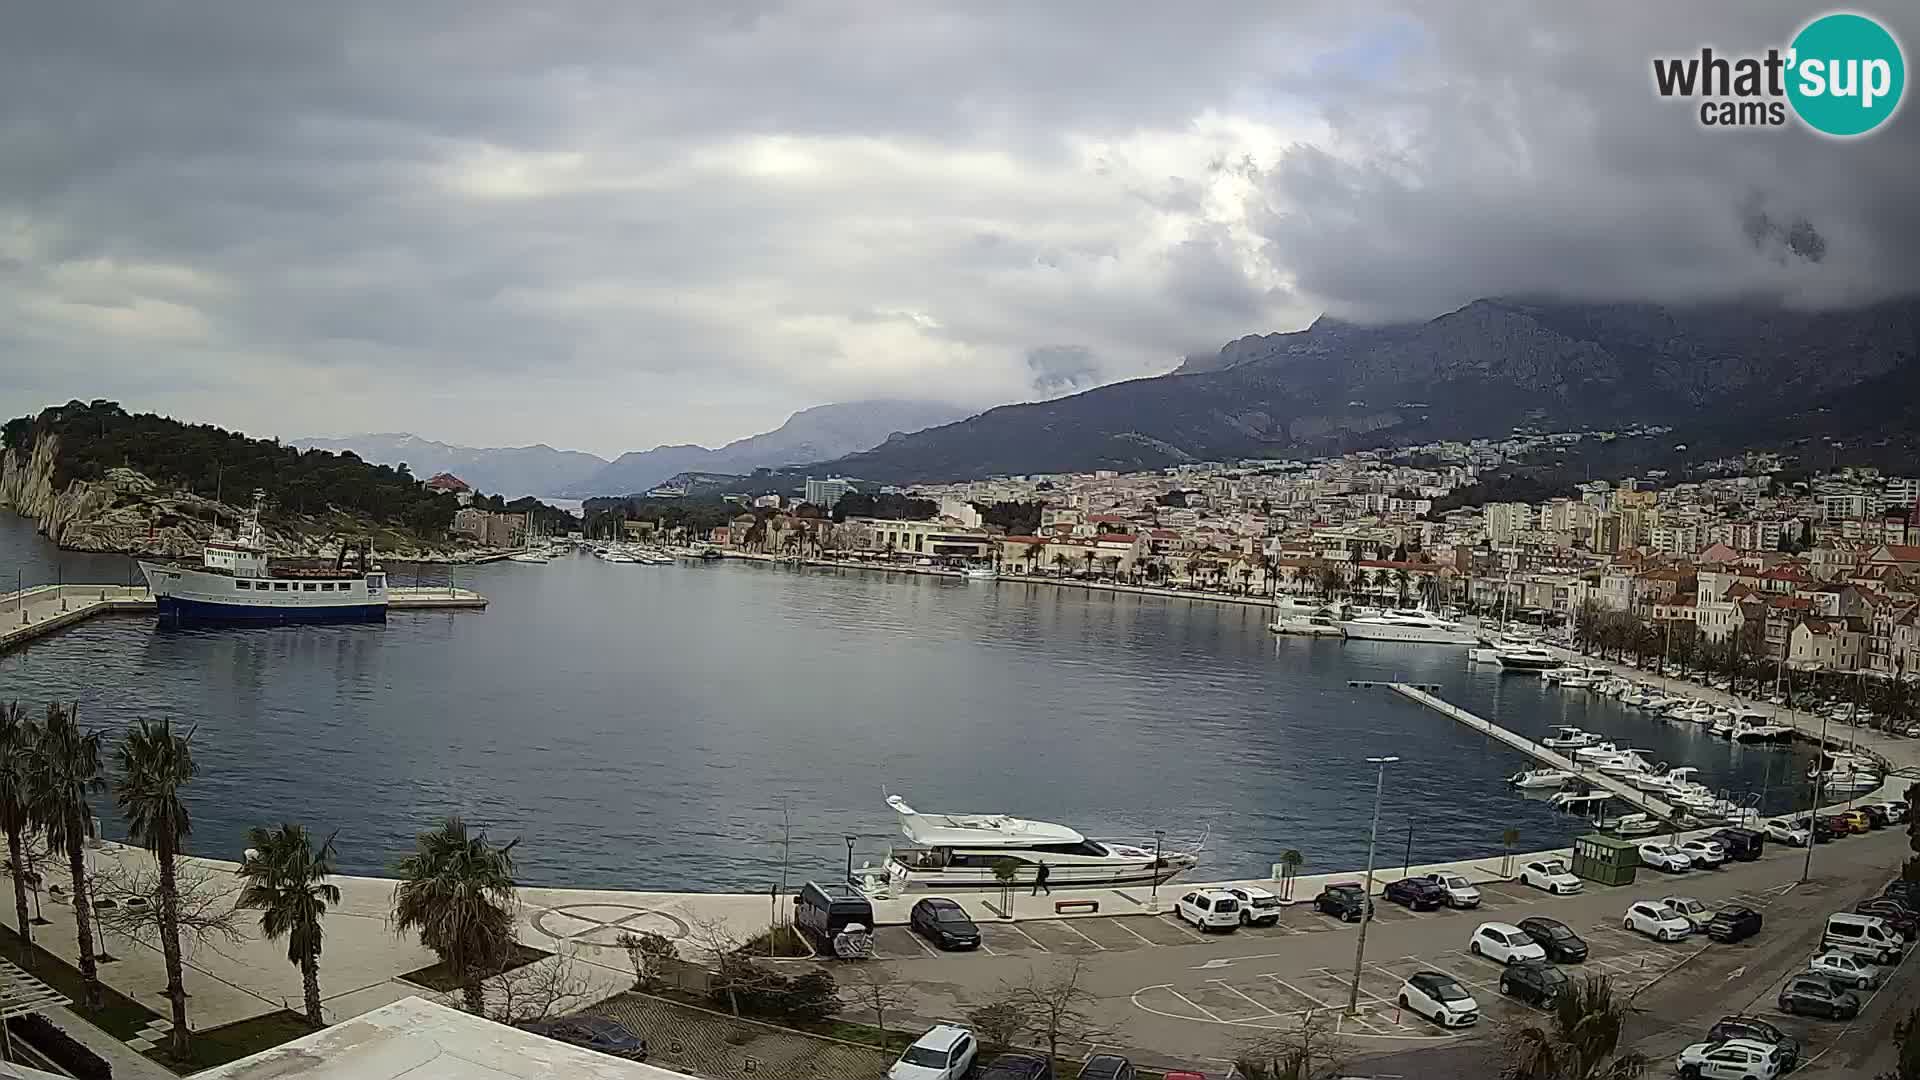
[[1608, 860]]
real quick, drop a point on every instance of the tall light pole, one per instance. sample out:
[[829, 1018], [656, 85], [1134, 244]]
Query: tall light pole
[[1813, 803], [1366, 897], [851, 840], [1153, 898]]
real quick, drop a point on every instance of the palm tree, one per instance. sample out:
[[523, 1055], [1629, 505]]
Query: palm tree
[[155, 764], [1291, 860], [287, 881], [1400, 580], [1061, 560], [17, 738], [64, 770], [1330, 582], [1034, 554], [456, 890], [1579, 1039]]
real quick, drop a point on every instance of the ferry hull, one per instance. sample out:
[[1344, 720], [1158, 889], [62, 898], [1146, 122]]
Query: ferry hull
[[186, 612]]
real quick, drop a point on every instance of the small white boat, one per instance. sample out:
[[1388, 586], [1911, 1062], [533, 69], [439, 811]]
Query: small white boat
[[1484, 654], [1849, 781], [529, 557], [1632, 825], [1576, 802], [1526, 657], [1577, 682], [980, 573], [615, 555], [1598, 752], [1540, 778], [1569, 738], [1294, 616]]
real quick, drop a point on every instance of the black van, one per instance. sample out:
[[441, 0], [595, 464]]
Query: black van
[[821, 911], [1742, 844]]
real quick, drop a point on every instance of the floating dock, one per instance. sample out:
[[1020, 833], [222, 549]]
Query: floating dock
[[1633, 796], [36, 612]]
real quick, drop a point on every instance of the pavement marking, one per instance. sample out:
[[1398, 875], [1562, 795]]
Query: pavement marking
[[1188, 930], [923, 945], [1036, 941], [1229, 988], [1504, 894], [1068, 924], [1122, 925], [1475, 983], [1196, 1006], [1298, 991]]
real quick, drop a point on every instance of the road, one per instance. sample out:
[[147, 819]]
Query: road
[[1167, 994]]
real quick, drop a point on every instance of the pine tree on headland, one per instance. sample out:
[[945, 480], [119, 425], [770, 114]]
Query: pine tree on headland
[[286, 880], [63, 771], [457, 892], [155, 763]]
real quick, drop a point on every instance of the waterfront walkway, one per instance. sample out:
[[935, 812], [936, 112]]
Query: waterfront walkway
[[43, 609]]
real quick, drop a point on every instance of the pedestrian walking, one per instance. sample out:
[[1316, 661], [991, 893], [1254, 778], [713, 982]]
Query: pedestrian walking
[[1040, 880]]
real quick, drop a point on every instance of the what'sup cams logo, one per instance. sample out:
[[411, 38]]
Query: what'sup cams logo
[[1842, 76]]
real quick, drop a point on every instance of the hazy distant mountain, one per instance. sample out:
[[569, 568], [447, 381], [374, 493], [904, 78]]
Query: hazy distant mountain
[[816, 434], [1478, 371], [509, 471]]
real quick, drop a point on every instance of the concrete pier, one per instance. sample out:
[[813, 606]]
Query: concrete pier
[[1551, 758], [43, 609]]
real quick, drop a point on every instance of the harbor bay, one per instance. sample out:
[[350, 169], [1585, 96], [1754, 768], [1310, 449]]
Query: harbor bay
[[658, 726]]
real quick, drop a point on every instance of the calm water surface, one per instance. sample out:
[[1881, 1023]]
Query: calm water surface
[[646, 726]]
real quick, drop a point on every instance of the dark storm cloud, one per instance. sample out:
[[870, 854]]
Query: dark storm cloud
[[614, 224]]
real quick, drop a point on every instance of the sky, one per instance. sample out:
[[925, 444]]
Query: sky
[[609, 225]]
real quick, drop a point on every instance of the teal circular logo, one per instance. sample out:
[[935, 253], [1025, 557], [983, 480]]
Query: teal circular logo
[[1847, 74]]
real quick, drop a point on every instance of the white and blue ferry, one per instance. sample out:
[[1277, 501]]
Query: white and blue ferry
[[236, 583]]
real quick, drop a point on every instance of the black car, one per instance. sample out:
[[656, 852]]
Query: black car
[[942, 922], [594, 1033], [1825, 830], [1731, 924], [1417, 893], [1907, 892], [1562, 944], [1877, 816], [1016, 1067], [1743, 845], [1345, 900], [1758, 1030], [1107, 1067], [1815, 995], [1534, 982], [1897, 914]]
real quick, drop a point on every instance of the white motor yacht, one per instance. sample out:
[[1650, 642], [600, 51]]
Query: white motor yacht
[[1577, 681], [1598, 752], [980, 573], [1569, 738], [1526, 657], [1410, 626], [1578, 802], [529, 557], [1540, 778], [960, 851], [1291, 615]]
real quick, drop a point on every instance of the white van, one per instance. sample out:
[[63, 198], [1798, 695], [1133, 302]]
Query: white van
[[1865, 935]]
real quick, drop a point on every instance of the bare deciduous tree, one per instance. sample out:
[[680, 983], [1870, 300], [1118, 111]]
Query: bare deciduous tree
[[1055, 1005], [874, 990], [204, 900], [649, 953], [1310, 1050], [997, 1023], [733, 973], [546, 988]]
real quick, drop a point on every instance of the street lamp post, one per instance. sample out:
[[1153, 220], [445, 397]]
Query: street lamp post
[[1813, 801], [851, 840], [1366, 897], [1153, 898]]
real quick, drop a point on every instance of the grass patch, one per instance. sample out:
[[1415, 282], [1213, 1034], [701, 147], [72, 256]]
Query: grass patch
[[118, 1015], [440, 977], [780, 942], [217, 1046]]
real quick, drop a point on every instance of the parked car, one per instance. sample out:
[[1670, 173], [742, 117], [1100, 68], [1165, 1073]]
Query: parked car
[[1744, 845], [944, 923], [1551, 875], [1562, 945], [1656, 920], [1865, 935], [1460, 891], [1846, 969], [1903, 890], [1690, 909], [1857, 820], [1757, 1029], [1731, 924], [1258, 907], [1664, 857], [1106, 1067], [1897, 914], [1823, 828], [593, 1033], [1344, 900], [1815, 995], [1418, 894], [1440, 998], [1876, 815], [1535, 982], [1896, 810], [1839, 825], [822, 911], [944, 1052], [1703, 853], [1735, 1059], [1504, 943], [1787, 832], [1209, 909], [1016, 1067]]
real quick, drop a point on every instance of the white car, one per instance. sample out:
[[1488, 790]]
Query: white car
[[1460, 891], [1846, 969], [945, 1052], [1704, 852], [1440, 998], [1258, 907], [1664, 857], [1788, 831], [1896, 811], [1690, 909], [1732, 1059], [1504, 943], [1657, 921], [1209, 909], [1551, 875]]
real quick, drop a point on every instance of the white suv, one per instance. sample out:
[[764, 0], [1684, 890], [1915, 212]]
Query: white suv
[[1665, 857], [1704, 852], [1733, 1059], [1258, 907], [1504, 944], [1551, 875], [1209, 909], [945, 1052], [1460, 891], [1657, 921], [1788, 831]]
